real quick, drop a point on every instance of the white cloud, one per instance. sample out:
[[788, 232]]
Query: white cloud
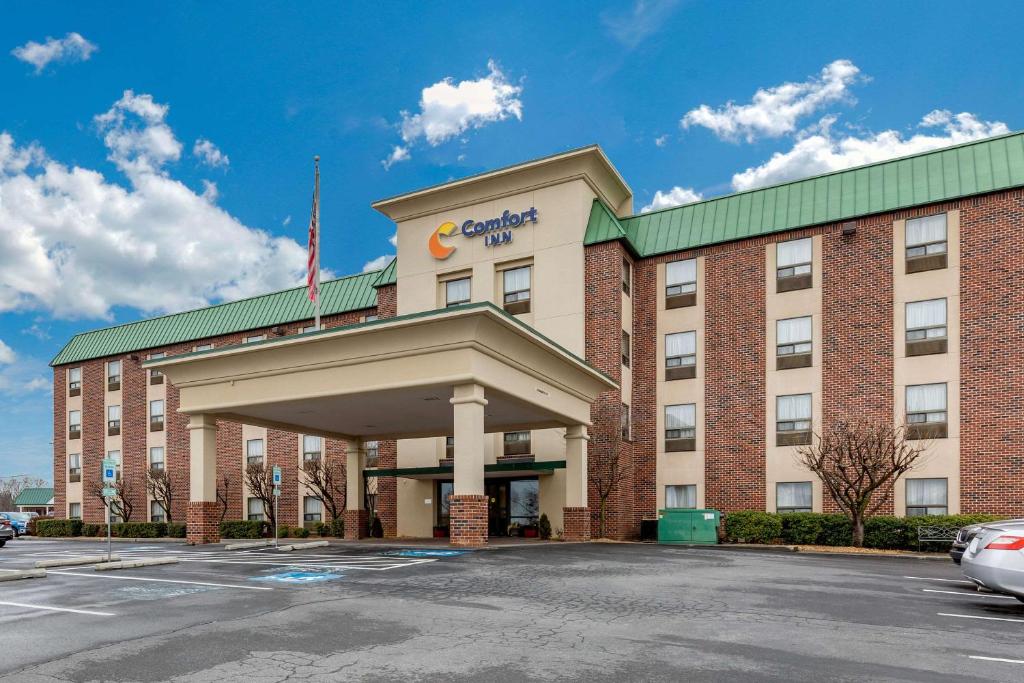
[[377, 263], [661, 141], [20, 377], [77, 245], [209, 154], [775, 111], [634, 26], [394, 240], [71, 48], [287, 220], [37, 384], [7, 354], [677, 196], [825, 151], [448, 109]]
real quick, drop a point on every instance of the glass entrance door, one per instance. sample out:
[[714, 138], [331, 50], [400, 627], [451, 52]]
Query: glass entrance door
[[497, 507]]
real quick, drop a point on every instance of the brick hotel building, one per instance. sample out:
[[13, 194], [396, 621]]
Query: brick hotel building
[[725, 332]]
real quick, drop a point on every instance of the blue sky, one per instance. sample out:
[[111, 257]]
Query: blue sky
[[158, 157]]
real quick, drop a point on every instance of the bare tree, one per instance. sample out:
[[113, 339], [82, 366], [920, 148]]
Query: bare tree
[[260, 480], [158, 482], [223, 488], [325, 477], [11, 487], [858, 464], [121, 505], [607, 470]]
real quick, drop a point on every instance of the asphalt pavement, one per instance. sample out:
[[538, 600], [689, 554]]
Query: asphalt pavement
[[595, 612]]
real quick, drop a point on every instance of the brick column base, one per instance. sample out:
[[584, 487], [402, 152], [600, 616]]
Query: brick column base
[[577, 524], [203, 523], [468, 515], [356, 522]]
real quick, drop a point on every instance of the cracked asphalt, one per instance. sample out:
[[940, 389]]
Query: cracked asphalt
[[597, 612]]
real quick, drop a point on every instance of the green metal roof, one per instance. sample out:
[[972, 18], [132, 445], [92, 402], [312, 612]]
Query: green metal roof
[[34, 497], [972, 168], [387, 276], [350, 293]]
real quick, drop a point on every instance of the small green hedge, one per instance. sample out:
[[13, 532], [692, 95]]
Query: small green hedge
[[139, 529], [244, 528], [59, 527], [175, 530], [76, 527], [813, 528]]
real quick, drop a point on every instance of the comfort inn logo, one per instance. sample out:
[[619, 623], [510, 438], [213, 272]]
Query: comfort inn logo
[[495, 231]]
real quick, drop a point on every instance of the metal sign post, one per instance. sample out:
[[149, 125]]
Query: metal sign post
[[277, 495], [109, 477]]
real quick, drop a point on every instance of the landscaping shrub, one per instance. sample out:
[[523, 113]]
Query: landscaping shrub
[[32, 524], [801, 528], [244, 528], [885, 532], [337, 527], [835, 530], [282, 531], [320, 529], [139, 529], [752, 526], [175, 530], [59, 527], [544, 527], [300, 532], [94, 529]]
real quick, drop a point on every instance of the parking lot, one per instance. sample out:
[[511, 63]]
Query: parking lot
[[556, 611]]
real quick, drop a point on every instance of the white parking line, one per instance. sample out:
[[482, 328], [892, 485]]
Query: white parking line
[[928, 578], [997, 659], [971, 616], [970, 595], [144, 578], [58, 609]]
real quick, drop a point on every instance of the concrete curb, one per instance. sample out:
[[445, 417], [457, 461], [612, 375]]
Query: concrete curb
[[247, 545], [131, 564], [302, 546], [75, 561], [18, 574], [103, 539], [754, 547]]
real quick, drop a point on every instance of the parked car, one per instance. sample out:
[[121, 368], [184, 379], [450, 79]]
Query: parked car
[[6, 532], [18, 520], [963, 539], [995, 557]]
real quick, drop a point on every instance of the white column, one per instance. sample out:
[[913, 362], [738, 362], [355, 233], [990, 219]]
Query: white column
[[355, 461], [202, 458], [468, 405], [576, 439]]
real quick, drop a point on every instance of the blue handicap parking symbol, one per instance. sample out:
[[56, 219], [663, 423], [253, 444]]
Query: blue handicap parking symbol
[[298, 577], [425, 553]]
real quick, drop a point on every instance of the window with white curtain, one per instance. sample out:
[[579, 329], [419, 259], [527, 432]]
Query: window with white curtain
[[627, 276], [254, 509], [156, 511], [457, 292], [75, 378], [681, 421], [372, 452], [156, 416], [254, 451], [74, 420], [113, 419], [114, 372], [680, 349], [926, 497], [793, 496], [74, 510], [625, 348], [681, 496], [625, 425], [926, 320], [116, 457], [311, 448], [793, 257], [156, 458], [75, 465], [155, 374], [793, 336], [312, 509], [793, 413], [681, 277], [926, 403], [517, 284], [926, 236]]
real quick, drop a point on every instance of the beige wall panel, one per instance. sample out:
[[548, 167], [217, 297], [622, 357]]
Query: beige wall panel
[[415, 514]]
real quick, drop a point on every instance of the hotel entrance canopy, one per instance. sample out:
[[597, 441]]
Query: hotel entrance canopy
[[462, 371]]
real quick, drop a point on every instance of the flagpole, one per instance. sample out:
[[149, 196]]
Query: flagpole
[[316, 190]]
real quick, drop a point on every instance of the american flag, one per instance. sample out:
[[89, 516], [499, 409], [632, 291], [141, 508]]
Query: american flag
[[313, 260]]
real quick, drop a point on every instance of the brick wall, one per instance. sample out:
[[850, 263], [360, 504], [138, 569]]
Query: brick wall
[[387, 487], [94, 429], [230, 452], [134, 427], [645, 389], [60, 435]]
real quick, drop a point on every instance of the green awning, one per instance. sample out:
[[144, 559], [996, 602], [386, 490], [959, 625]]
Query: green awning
[[540, 467]]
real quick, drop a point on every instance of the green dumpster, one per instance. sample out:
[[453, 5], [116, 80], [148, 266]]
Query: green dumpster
[[677, 525]]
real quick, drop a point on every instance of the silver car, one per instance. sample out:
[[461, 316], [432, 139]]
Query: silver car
[[995, 558]]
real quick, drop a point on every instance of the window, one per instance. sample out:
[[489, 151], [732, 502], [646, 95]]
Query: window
[[793, 343], [793, 496], [113, 375], [627, 276], [524, 501], [793, 420], [681, 496], [680, 427], [75, 467], [517, 290], [156, 458], [74, 510], [926, 327], [926, 411], [449, 447], [116, 457], [75, 382], [155, 376], [625, 428], [681, 283], [516, 443], [926, 497], [926, 243], [254, 338], [625, 348], [113, 420], [312, 509], [370, 318], [254, 509], [203, 347], [156, 416], [456, 292], [156, 511], [681, 355], [312, 447], [307, 329], [74, 424], [372, 453], [254, 451], [793, 264]]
